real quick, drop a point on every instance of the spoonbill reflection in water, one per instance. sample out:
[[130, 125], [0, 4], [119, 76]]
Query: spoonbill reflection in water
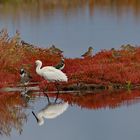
[[51, 111]]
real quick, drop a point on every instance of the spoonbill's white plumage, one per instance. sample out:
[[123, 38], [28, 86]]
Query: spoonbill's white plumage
[[52, 110], [50, 73]]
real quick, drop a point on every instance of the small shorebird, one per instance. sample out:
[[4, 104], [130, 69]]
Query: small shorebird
[[60, 65], [26, 44], [50, 111], [89, 53], [24, 77], [128, 47], [54, 50], [112, 49], [116, 54]]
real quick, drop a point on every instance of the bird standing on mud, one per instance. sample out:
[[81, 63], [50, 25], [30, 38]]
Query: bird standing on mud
[[89, 53], [24, 77]]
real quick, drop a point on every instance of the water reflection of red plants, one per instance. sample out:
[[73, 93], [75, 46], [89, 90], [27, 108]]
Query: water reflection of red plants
[[117, 6], [12, 115], [12, 106], [102, 99]]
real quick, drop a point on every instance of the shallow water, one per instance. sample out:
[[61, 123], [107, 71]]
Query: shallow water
[[73, 28], [96, 115]]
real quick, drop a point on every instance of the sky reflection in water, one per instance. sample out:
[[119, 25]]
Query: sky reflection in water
[[75, 28], [95, 115]]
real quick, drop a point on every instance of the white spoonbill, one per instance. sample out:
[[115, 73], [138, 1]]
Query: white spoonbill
[[50, 73], [52, 110]]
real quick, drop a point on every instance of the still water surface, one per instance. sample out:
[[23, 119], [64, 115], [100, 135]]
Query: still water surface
[[96, 115], [73, 30]]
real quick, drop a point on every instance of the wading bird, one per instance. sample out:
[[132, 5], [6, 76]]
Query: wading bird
[[24, 77], [89, 53], [55, 50], [50, 73], [26, 44], [60, 65], [50, 111]]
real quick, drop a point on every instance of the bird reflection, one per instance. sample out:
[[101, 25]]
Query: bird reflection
[[50, 111], [26, 95]]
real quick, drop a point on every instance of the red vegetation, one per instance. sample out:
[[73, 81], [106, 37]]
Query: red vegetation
[[101, 99], [104, 68], [14, 55], [12, 113], [107, 68]]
